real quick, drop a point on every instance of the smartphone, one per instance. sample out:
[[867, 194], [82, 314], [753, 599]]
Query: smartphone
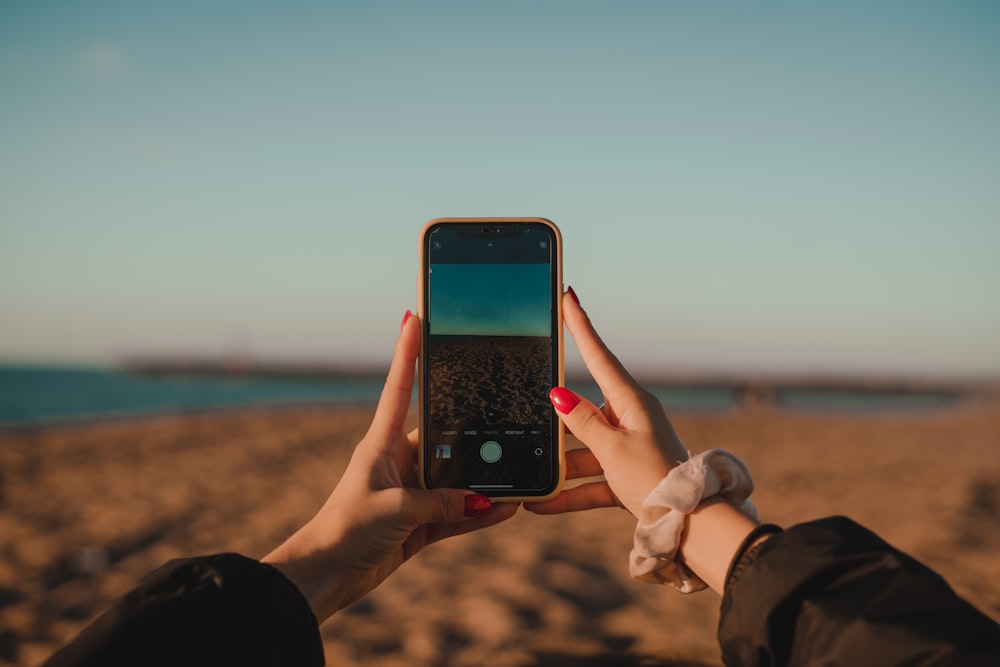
[[492, 348]]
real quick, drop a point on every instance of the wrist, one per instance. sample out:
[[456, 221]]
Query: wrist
[[746, 552], [317, 572], [692, 523], [714, 533]]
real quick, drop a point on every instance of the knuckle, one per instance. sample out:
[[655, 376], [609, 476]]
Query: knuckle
[[400, 502], [446, 505], [649, 401], [588, 423]]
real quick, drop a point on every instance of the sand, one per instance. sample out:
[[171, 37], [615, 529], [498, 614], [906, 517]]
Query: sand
[[88, 509], [469, 373]]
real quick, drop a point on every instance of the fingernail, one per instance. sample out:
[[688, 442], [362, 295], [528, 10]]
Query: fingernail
[[569, 290], [477, 505], [406, 316], [563, 399]]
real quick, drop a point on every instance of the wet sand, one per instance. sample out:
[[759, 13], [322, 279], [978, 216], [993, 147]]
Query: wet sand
[[88, 509]]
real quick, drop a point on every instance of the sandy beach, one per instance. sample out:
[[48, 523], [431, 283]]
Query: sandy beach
[[88, 509], [467, 376]]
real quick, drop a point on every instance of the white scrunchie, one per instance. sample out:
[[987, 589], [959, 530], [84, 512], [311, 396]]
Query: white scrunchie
[[661, 519]]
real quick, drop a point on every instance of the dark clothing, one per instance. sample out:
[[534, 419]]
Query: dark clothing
[[822, 593], [213, 611], [830, 592]]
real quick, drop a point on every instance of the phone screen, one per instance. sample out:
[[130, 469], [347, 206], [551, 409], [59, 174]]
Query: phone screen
[[490, 356]]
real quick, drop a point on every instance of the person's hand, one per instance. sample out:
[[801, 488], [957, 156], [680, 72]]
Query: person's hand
[[377, 517], [630, 441]]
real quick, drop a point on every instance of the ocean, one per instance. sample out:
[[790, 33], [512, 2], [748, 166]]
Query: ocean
[[41, 394], [32, 395]]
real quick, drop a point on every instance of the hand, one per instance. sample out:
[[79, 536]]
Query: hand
[[630, 441], [377, 517]]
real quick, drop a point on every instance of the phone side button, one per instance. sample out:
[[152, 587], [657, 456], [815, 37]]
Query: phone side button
[[491, 451]]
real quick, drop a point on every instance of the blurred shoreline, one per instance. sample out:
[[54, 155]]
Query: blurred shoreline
[[35, 396], [237, 367], [760, 384]]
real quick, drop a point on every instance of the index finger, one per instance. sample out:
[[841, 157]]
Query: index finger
[[604, 367], [577, 499]]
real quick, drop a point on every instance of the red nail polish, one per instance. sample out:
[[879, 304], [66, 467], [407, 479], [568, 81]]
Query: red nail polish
[[477, 505], [570, 291], [406, 316], [563, 399]]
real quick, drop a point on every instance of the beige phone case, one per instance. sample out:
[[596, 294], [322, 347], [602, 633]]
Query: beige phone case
[[559, 338]]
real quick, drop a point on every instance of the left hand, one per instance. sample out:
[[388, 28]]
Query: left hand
[[378, 516]]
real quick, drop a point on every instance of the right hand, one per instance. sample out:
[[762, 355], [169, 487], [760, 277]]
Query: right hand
[[631, 441]]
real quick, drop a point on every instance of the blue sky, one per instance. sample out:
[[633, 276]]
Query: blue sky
[[768, 187], [491, 299]]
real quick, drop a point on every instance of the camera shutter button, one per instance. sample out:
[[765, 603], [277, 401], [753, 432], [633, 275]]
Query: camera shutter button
[[491, 451]]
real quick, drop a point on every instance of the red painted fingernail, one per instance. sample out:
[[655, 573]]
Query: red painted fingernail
[[563, 399], [406, 316], [569, 290], [477, 505]]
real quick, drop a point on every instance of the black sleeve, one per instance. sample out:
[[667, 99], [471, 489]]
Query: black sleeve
[[831, 592], [224, 609]]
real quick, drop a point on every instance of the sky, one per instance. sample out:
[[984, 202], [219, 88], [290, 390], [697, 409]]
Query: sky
[[490, 299], [772, 187]]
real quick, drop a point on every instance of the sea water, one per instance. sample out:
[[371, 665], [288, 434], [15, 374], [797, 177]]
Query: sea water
[[31, 394]]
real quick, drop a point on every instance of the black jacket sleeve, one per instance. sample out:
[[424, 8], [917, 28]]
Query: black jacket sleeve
[[224, 609], [831, 592]]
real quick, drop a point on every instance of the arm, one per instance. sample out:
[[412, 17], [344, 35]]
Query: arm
[[227, 609], [832, 592], [713, 534], [829, 592], [212, 610]]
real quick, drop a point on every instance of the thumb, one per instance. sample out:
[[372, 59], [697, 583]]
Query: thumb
[[584, 419], [394, 403], [447, 505]]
